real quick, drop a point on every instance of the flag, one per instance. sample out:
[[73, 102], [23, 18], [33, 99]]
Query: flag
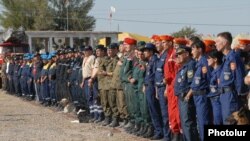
[[112, 10]]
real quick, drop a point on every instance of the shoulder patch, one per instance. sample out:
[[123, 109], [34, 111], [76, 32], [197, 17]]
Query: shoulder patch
[[190, 73], [204, 69], [233, 66]]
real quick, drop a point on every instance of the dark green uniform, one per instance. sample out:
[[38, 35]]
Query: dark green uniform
[[126, 74], [141, 116]]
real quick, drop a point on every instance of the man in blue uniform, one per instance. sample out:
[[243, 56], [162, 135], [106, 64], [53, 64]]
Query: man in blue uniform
[[52, 79], [231, 79], [44, 79], [160, 84], [36, 69], [149, 83], [25, 76], [16, 77], [183, 91]]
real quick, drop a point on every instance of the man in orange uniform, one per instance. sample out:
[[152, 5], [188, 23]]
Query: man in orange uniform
[[170, 70]]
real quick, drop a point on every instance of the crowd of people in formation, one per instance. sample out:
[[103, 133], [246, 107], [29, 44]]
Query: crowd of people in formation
[[166, 89]]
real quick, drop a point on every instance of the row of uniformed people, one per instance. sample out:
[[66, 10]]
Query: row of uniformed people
[[195, 87], [155, 84], [137, 85], [43, 71], [19, 76]]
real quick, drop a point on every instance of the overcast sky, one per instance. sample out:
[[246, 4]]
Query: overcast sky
[[166, 16], [149, 17]]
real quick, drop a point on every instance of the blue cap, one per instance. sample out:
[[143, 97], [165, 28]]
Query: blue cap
[[149, 46], [49, 57], [26, 55], [44, 56]]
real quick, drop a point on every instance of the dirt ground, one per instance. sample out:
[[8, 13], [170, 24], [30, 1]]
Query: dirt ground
[[22, 120]]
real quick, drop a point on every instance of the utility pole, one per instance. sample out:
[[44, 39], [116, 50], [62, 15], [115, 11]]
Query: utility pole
[[67, 18], [67, 10]]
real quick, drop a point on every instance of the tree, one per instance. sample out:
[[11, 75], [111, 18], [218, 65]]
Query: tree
[[186, 31], [72, 14], [43, 19], [47, 14], [17, 13]]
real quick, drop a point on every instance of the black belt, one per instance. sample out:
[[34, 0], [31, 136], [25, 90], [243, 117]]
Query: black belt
[[226, 90], [200, 92]]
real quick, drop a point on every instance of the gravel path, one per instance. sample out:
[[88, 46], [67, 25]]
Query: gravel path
[[22, 120]]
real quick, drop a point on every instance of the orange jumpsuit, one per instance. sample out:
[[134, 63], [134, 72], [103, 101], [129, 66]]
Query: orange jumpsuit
[[170, 70]]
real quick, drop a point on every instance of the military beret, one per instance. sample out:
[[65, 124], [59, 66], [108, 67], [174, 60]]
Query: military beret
[[244, 41], [157, 38], [183, 49], [166, 38], [208, 43], [113, 46], [154, 36], [180, 41], [130, 41]]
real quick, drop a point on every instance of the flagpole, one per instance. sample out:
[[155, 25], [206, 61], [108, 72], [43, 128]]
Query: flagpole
[[111, 11], [110, 19]]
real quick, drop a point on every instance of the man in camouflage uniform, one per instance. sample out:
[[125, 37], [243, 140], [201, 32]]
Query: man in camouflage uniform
[[117, 86], [111, 97]]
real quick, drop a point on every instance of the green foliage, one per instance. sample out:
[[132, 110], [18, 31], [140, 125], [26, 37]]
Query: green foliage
[[47, 14], [186, 31]]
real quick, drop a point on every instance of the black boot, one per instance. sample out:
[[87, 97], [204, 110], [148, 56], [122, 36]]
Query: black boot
[[136, 129], [114, 123], [176, 137], [106, 121], [141, 130], [149, 132]]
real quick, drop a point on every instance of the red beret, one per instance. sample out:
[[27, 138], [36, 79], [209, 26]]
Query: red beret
[[130, 41], [180, 41], [166, 38], [208, 44], [244, 41], [155, 37]]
